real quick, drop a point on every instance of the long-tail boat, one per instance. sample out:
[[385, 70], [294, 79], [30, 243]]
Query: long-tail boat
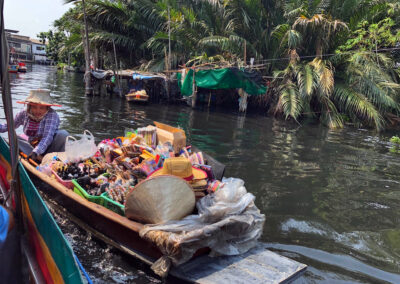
[[49, 256]]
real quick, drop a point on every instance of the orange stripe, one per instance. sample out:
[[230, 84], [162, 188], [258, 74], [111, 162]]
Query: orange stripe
[[7, 166], [52, 268]]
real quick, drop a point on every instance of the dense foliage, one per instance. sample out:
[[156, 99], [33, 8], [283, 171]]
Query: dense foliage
[[333, 60]]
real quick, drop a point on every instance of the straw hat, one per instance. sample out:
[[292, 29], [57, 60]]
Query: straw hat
[[180, 167], [160, 199], [40, 97]]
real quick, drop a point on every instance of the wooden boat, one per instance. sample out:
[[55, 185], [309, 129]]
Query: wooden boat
[[22, 67], [137, 96], [13, 68], [111, 225], [49, 256], [123, 234]]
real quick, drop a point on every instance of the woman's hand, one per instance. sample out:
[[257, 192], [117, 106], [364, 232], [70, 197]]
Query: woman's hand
[[37, 158]]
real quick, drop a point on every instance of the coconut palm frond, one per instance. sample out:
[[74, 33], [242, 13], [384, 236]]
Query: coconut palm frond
[[289, 101], [351, 101], [280, 31], [378, 95], [294, 39], [325, 75], [306, 80], [292, 13], [214, 41], [330, 115], [326, 81]]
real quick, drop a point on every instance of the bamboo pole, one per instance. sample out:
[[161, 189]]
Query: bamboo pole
[[15, 189]]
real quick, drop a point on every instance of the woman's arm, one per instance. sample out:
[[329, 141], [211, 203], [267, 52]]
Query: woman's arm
[[18, 121], [51, 125]]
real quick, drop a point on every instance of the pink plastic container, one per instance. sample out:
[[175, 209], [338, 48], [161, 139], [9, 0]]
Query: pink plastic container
[[66, 183]]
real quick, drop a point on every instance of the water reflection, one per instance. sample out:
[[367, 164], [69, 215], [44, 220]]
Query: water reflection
[[331, 198]]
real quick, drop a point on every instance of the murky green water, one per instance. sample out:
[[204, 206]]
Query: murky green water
[[331, 198]]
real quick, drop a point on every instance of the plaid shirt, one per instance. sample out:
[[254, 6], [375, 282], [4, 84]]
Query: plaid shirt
[[47, 128]]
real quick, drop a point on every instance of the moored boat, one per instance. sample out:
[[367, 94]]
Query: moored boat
[[137, 96], [22, 67], [13, 68]]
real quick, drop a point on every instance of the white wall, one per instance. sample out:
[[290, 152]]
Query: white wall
[[38, 49]]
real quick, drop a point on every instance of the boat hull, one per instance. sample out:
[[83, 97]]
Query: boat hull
[[137, 96], [121, 230], [12, 68]]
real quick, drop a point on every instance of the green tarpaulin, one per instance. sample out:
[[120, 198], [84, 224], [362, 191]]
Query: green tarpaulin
[[226, 78]]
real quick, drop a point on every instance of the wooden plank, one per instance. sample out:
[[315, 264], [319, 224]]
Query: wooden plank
[[259, 265]]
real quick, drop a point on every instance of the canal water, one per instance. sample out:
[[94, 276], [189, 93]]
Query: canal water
[[331, 197]]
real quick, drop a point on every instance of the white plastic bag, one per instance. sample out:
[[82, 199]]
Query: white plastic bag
[[228, 222], [78, 150]]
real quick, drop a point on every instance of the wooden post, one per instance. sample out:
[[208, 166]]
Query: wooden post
[[116, 72], [169, 40], [88, 89], [244, 53], [194, 94], [96, 58]]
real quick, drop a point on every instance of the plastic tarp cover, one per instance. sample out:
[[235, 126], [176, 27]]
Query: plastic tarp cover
[[138, 76], [99, 74], [228, 222], [226, 78]]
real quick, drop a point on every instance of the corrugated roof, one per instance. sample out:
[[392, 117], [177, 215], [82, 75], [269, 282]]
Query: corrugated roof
[[37, 41]]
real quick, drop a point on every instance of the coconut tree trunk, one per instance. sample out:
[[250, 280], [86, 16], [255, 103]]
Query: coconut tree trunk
[[318, 48], [88, 88]]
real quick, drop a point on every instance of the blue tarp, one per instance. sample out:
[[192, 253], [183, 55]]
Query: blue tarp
[[137, 76]]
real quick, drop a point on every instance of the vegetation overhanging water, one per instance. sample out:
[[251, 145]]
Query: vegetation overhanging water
[[332, 61]]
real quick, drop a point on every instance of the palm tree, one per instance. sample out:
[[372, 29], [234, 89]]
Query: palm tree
[[319, 29], [357, 86]]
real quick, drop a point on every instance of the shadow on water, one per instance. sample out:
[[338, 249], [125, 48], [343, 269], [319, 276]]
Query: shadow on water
[[331, 198]]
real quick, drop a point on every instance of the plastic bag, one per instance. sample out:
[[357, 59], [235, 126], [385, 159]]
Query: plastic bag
[[78, 150], [228, 223]]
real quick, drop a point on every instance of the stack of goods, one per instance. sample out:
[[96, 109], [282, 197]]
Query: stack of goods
[[149, 134], [182, 167], [65, 172], [123, 162]]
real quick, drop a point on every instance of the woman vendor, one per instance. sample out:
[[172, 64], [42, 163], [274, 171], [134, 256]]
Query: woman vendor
[[40, 126]]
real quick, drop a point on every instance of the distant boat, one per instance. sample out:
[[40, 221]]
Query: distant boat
[[22, 67], [137, 96], [13, 68]]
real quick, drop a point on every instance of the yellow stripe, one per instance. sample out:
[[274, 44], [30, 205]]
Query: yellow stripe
[[51, 265]]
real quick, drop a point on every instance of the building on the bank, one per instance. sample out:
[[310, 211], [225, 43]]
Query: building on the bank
[[22, 48], [39, 52]]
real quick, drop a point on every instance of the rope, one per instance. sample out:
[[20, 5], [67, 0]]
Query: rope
[[83, 270], [328, 54]]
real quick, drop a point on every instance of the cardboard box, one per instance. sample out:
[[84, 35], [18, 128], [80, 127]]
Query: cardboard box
[[167, 133]]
